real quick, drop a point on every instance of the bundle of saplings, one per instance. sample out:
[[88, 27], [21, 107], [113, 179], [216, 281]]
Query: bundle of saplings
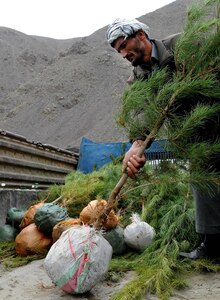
[[80, 189]]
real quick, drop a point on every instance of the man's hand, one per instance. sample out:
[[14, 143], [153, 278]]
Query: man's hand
[[132, 163]]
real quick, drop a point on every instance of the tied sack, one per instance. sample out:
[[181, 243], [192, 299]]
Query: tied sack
[[91, 212], [31, 241], [14, 216], [48, 215], [60, 227], [8, 233], [78, 260], [29, 215], [138, 235]]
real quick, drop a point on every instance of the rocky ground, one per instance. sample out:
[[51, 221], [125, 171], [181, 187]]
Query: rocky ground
[[31, 282]]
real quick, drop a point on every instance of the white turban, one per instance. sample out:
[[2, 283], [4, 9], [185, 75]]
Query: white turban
[[124, 27]]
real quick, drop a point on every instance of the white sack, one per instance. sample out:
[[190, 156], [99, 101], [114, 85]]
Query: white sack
[[78, 260], [138, 235]]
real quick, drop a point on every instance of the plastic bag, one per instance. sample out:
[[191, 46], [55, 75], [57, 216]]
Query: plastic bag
[[78, 260], [8, 233], [14, 216], [115, 237], [48, 215], [138, 235]]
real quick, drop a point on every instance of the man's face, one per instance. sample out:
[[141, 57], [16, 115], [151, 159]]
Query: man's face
[[134, 49]]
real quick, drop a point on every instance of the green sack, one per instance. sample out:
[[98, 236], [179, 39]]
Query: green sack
[[48, 215], [8, 233], [115, 237], [14, 216]]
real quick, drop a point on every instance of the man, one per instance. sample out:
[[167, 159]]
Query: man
[[130, 38]]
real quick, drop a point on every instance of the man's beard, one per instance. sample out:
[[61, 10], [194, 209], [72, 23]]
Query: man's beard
[[137, 61]]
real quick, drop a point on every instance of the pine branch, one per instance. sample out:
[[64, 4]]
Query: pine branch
[[112, 200], [146, 105]]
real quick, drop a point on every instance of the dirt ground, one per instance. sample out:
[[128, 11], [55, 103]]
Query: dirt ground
[[31, 282]]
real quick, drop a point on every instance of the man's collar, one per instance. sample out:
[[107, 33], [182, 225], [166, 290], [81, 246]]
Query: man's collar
[[154, 53]]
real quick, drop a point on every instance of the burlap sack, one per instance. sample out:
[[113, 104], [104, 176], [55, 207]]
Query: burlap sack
[[29, 215], [32, 241], [60, 227], [90, 213]]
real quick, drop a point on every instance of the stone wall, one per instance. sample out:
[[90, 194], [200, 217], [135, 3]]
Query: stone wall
[[19, 198]]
